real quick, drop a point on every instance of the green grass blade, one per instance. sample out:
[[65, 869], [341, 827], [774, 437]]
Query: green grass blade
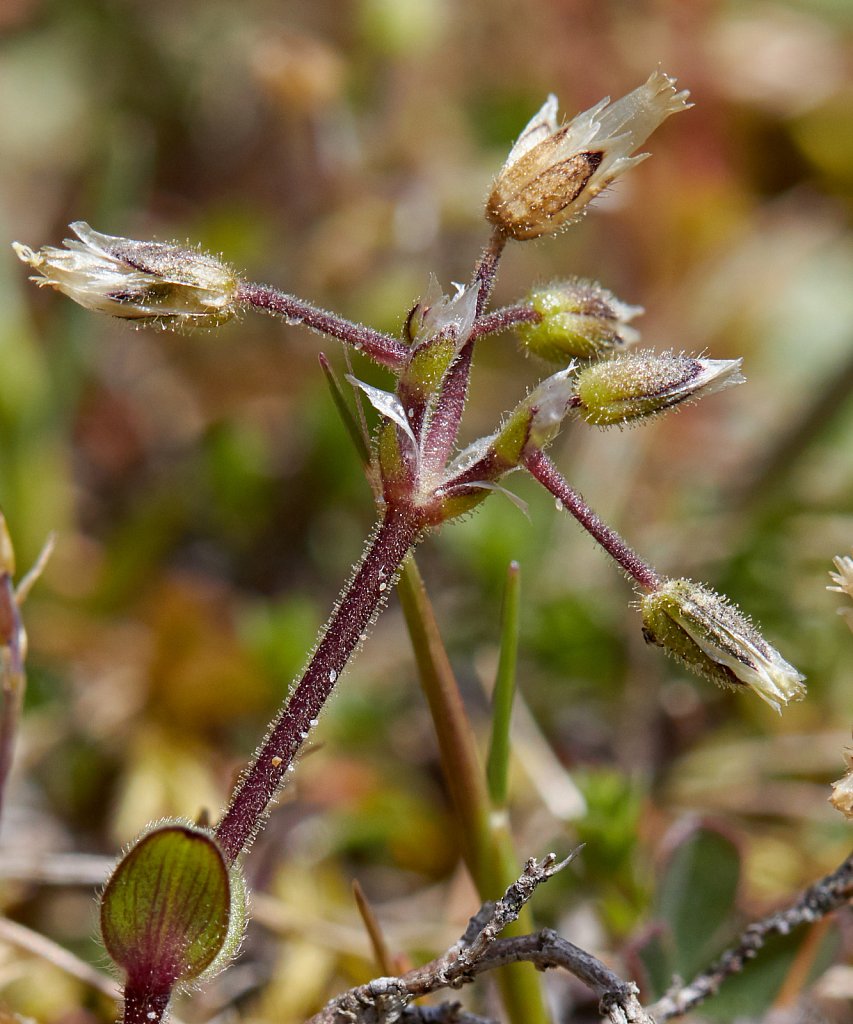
[[350, 422], [497, 764]]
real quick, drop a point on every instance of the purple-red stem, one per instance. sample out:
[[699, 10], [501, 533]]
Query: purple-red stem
[[144, 1007], [501, 319], [487, 267], [380, 347], [360, 601], [541, 467], [444, 427]]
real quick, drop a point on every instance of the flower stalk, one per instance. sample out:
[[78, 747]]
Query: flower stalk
[[13, 646], [381, 348], [486, 269], [540, 466], [503, 319], [359, 603]]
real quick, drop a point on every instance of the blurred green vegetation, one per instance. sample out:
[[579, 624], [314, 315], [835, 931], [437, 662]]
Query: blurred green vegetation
[[209, 503]]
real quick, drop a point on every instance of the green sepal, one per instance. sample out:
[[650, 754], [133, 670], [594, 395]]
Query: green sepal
[[713, 638], [660, 628], [636, 386], [427, 366], [511, 440], [455, 505], [392, 466]]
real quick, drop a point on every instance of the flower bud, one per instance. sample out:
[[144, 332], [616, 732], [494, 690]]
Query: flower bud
[[136, 280], [713, 638], [579, 319], [642, 384], [552, 172]]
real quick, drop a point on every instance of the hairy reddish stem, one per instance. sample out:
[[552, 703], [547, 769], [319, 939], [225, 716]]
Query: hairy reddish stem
[[487, 267], [381, 347], [144, 1007], [443, 429], [501, 319], [359, 603], [541, 467]]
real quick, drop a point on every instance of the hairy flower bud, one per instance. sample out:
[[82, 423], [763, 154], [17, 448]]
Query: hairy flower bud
[[713, 638], [641, 384], [439, 327], [136, 280], [579, 319], [552, 172]]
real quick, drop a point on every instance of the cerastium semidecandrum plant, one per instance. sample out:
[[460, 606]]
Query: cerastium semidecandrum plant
[[172, 911]]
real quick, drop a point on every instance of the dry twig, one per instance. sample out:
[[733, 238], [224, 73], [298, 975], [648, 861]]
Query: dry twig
[[384, 1000]]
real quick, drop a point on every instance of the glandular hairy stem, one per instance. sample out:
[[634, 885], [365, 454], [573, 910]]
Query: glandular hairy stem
[[487, 267], [541, 467], [359, 603], [382, 348]]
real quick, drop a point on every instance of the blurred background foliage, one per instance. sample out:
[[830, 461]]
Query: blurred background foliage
[[209, 503]]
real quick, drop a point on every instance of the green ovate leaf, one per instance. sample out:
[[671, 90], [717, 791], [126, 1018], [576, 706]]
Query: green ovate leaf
[[747, 995], [165, 911], [697, 897]]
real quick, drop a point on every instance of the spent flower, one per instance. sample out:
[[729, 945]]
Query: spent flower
[[553, 171], [137, 280], [577, 319], [638, 385], [842, 791], [709, 635]]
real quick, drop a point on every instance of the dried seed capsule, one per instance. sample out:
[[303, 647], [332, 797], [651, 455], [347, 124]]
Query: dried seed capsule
[[552, 172]]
